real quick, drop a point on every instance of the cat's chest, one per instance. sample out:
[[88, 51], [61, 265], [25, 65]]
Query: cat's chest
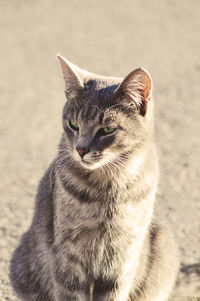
[[100, 232], [98, 221], [92, 227]]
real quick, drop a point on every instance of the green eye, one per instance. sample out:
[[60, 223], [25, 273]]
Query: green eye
[[74, 125], [106, 131]]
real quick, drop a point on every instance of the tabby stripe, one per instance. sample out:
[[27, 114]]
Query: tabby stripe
[[70, 296], [81, 195], [71, 284], [89, 180], [152, 236], [74, 259], [104, 285], [71, 258], [84, 177], [74, 236]]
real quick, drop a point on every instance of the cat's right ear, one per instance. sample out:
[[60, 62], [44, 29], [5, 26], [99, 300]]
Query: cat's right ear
[[73, 82], [136, 88]]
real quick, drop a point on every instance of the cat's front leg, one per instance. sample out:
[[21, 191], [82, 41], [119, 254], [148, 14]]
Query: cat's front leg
[[71, 289], [116, 285], [64, 294], [70, 281]]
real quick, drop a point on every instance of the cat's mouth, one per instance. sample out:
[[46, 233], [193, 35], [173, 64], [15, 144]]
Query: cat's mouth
[[93, 162], [107, 160], [86, 162]]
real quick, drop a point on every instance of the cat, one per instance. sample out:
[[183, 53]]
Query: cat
[[93, 235]]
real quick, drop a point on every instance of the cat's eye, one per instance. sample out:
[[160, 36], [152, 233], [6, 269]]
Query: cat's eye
[[74, 125], [106, 131]]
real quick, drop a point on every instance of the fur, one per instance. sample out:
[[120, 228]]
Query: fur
[[93, 236]]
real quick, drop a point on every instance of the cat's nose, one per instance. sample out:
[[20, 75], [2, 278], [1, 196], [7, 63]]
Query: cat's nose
[[82, 151], [82, 146]]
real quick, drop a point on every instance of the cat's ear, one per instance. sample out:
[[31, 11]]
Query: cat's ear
[[73, 82], [137, 89]]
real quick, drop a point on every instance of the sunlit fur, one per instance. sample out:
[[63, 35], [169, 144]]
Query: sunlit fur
[[93, 237]]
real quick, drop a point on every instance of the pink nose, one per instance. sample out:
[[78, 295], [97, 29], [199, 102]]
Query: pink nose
[[82, 151]]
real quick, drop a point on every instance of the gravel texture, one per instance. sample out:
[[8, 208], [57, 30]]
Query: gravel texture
[[110, 38]]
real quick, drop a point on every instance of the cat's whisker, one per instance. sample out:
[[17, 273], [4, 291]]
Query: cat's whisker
[[112, 167], [95, 106], [117, 166], [98, 216]]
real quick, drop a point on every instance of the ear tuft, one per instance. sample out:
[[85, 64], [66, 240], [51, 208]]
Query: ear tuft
[[73, 83], [137, 88]]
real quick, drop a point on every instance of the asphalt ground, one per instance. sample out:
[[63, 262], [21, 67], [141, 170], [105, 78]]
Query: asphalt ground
[[110, 38]]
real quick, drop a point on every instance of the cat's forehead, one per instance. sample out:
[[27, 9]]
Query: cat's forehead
[[95, 113], [94, 102], [99, 90]]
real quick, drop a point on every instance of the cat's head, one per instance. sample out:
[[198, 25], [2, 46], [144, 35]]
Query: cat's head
[[105, 119]]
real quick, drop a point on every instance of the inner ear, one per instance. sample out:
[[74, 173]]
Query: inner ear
[[137, 89], [73, 82]]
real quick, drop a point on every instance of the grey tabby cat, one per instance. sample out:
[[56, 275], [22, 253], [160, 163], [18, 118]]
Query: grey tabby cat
[[93, 236]]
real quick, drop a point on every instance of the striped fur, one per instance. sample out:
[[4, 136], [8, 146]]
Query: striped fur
[[93, 236]]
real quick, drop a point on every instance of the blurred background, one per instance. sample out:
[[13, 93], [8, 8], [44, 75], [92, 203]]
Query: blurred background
[[110, 38]]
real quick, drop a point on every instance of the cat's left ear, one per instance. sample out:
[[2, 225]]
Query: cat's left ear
[[73, 81], [137, 89]]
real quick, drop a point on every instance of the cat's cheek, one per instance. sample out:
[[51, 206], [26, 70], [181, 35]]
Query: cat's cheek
[[116, 144], [69, 134], [104, 142]]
